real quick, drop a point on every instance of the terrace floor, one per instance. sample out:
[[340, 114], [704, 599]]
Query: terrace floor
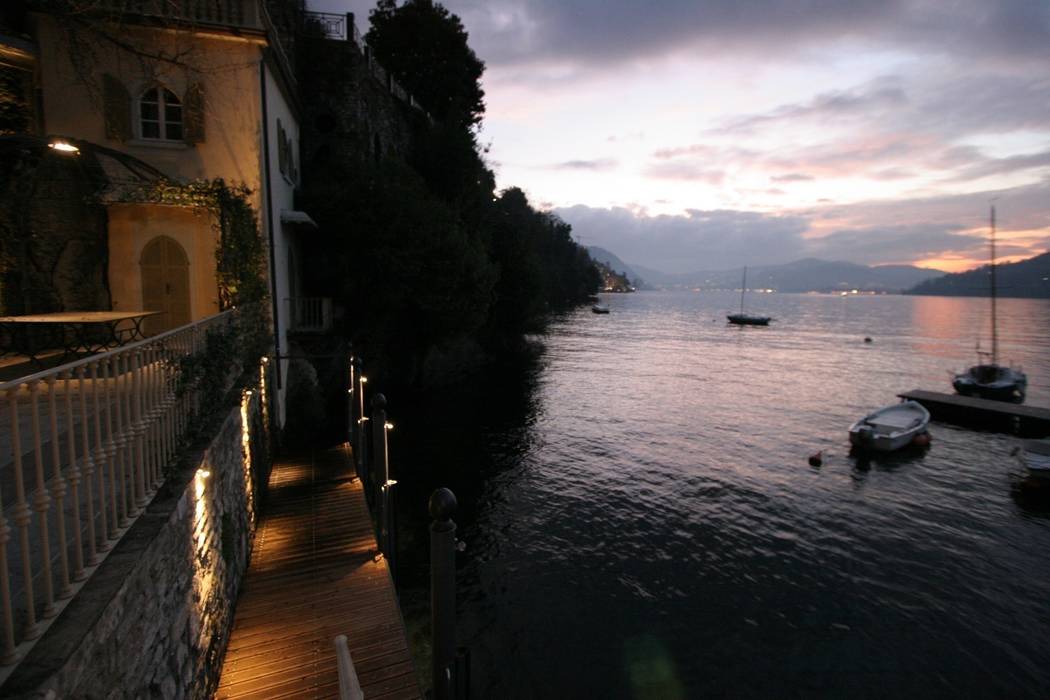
[[315, 574]]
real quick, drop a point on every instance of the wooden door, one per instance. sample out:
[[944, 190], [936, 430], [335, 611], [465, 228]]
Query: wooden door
[[165, 284]]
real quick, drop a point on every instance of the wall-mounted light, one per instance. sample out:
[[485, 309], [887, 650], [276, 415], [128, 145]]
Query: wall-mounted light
[[63, 147]]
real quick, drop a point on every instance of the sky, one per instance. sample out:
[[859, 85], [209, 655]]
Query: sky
[[685, 135]]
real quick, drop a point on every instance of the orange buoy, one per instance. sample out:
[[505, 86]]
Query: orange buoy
[[921, 440], [817, 459]]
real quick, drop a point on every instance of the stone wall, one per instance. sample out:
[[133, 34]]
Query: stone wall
[[155, 618], [351, 115]]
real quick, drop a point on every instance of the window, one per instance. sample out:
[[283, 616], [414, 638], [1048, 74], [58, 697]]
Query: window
[[160, 115]]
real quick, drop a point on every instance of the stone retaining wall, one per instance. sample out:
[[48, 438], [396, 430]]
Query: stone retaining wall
[[155, 618]]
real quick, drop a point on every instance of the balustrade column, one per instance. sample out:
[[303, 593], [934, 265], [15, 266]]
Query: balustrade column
[[8, 655], [109, 389], [120, 439], [58, 492], [41, 502], [21, 515], [102, 461], [73, 471], [89, 466], [139, 432]]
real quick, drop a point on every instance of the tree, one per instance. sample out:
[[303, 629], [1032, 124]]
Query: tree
[[425, 47]]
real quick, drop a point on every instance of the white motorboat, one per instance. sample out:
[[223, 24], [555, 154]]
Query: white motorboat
[[890, 428], [1036, 457], [600, 309]]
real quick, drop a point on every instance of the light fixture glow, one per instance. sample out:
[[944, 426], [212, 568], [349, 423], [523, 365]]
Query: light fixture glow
[[388, 426], [63, 147]]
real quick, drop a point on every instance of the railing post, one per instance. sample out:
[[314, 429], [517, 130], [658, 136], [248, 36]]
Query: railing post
[[379, 465], [41, 504], [384, 485], [351, 403], [443, 592], [360, 448]]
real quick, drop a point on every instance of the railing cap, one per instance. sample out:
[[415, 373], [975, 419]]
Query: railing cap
[[442, 504]]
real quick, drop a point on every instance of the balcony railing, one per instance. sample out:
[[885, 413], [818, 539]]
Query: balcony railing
[[309, 314], [231, 13], [83, 449]]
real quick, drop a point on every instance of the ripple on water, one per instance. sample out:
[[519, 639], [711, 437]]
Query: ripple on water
[[656, 512]]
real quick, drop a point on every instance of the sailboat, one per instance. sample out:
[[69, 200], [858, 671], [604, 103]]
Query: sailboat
[[743, 319], [988, 379]]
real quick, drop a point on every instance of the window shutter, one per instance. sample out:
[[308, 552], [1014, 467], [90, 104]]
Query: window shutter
[[116, 105], [193, 114]]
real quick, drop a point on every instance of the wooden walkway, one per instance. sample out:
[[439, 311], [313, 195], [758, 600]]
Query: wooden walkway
[[314, 575], [1032, 421]]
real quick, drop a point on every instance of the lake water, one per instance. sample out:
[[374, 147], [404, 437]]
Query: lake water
[[641, 520]]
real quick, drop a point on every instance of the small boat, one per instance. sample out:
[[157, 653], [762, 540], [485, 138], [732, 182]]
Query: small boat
[[988, 379], [743, 319], [1036, 457], [599, 309], [890, 428]]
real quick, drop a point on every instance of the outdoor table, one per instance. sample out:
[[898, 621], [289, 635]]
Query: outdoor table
[[77, 331]]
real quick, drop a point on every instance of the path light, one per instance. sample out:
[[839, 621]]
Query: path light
[[63, 147]]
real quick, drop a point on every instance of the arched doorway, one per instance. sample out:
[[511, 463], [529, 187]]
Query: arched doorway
[[165, 284]]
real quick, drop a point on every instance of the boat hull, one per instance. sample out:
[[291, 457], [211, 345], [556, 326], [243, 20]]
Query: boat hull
[[890, 428], [992, 382], [1036, 457], [746, 320]]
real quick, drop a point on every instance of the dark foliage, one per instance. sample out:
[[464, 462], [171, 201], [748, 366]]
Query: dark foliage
[[436, 272], [425, 47]]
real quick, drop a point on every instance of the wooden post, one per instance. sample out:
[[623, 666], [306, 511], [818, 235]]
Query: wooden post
[[442, 592]]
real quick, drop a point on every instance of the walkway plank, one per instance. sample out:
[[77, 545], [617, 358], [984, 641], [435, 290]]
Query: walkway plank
[[315, 575]]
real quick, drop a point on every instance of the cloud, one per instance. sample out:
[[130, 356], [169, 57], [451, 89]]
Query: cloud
[[601, 32], [597, 165], [792, 177], [1000, 166], [685, 171], [872, 245], [698, 239], [869, 233]]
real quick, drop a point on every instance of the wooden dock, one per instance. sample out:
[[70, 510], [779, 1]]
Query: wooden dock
[[1029, 421], [315, 574]]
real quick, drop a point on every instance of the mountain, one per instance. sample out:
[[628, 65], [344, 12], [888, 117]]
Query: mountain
[[610, 260], [806, 275], [1027, 278]]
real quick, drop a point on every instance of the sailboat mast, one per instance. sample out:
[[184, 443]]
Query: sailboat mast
[[995, 327], [743, 288]]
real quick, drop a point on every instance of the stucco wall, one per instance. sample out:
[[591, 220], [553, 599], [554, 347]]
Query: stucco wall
[[226, 67], [132, 226], [154, 620]]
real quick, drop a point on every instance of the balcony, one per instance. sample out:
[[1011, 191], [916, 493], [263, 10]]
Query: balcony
[[309, 314], [244, 14]]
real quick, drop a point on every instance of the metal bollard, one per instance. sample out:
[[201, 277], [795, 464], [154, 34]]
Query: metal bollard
[[360, 441], [351, 403], [379, 461], [443, 592]]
